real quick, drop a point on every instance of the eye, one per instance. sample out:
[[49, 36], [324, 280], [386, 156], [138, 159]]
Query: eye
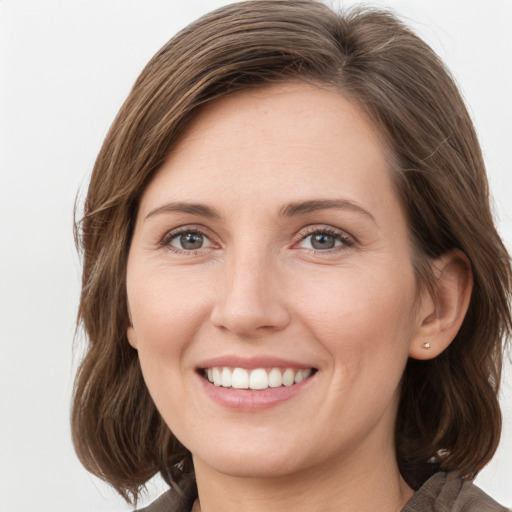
[[325, 240], [187, 240]]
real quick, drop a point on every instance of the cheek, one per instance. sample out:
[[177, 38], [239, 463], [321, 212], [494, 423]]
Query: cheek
[[165, 312], [165, 320], [360, 315], [166, 316]]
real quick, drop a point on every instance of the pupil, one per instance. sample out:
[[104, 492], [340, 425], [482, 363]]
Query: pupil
[[322, 241], [191, 241]]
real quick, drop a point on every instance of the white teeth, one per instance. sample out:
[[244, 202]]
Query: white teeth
[[275, 379], [226, 378], [288, 377], [240, 378], [217, 377], [257, 379], [301, 375]]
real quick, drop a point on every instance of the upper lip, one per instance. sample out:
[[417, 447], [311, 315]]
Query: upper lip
[[235, 361]]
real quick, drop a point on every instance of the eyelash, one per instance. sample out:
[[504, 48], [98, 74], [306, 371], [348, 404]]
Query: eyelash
[[172, 235], [346, 240], [339, 236]]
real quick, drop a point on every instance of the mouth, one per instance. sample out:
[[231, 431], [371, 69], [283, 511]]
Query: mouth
[[256, 379]]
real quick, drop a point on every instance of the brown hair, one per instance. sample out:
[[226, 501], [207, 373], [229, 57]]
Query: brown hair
[[449, 415]]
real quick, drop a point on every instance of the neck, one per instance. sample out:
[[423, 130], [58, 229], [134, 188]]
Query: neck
[[352, 485]]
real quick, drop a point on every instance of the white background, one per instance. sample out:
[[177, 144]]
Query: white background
[[65, 68]]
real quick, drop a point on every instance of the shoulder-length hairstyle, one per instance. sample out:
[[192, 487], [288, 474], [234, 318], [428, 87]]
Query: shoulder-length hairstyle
[[449, 416]]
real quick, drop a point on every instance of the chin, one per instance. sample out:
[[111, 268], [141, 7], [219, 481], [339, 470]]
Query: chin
[[249, 466], [261, 460]]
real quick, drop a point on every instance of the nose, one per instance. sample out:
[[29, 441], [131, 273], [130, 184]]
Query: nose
[[251, 299]]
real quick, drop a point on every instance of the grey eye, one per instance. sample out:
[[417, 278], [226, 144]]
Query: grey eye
[[321, 241], [189, 241]]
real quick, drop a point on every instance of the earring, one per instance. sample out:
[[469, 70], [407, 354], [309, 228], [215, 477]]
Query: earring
[[426, 345]]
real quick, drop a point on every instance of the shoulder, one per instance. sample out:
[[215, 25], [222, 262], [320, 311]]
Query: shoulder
[[170, 501], [179, 498], [174, 500], [447, 492]]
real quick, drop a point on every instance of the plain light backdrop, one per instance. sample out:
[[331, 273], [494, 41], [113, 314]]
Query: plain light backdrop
[[65, 68]]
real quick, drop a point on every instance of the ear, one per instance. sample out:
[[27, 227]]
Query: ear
[[130, 331], [440, 316], [132, 337]]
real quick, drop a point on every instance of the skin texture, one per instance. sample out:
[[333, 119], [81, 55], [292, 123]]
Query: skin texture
[[256, 287]]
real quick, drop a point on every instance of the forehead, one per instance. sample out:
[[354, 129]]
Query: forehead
[[296, 138], [284, 113]]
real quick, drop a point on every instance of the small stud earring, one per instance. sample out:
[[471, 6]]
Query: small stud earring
[[426, 345]]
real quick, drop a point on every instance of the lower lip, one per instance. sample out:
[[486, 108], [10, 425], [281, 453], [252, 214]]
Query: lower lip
[[247, 400]]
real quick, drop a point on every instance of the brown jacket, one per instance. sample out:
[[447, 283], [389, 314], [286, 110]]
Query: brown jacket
[[443, 492]]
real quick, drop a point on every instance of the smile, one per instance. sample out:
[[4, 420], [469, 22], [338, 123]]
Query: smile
[[256, 379]]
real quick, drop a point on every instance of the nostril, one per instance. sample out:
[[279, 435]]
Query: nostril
[[250, 320]]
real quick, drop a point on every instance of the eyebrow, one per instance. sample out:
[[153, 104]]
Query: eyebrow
[[290, 210], [303, 207], [190, 208]]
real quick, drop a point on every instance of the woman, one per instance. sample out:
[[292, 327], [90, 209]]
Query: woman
[[293, 288]]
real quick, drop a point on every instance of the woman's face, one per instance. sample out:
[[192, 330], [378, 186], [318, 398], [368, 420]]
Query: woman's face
[[271, 248]]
